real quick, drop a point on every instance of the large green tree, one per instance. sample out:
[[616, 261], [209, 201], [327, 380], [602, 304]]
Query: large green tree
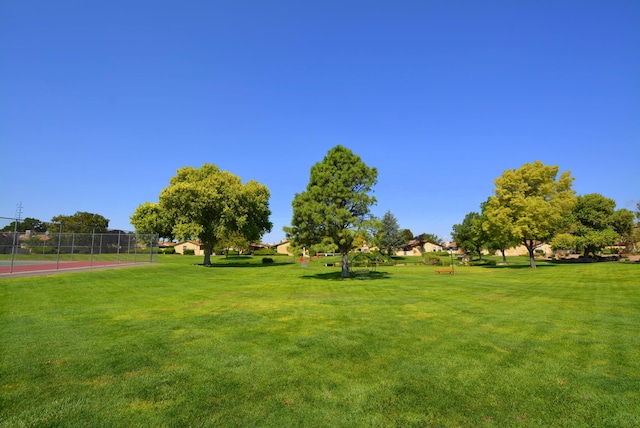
[[82, 222], [469, 235], [530, 203], [208, 204], [336, 203], [592, 220], [594, 224], [388, 237]]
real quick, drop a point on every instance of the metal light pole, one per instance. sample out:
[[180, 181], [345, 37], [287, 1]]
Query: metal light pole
[[451, 254], [13, 245]]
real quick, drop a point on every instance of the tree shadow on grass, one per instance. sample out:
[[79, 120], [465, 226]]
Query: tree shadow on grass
[[244, 265], [519, 266], [337, 276]]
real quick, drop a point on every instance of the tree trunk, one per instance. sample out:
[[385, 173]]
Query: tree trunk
[[345, 265], [531, 247], [504, 256], [207, 257]]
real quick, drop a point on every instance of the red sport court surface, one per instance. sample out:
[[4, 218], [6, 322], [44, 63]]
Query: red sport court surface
[[22, 267]]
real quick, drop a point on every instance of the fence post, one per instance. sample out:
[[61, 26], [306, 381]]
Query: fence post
[[93, 238], [44, 245], [129, 246], [59, 243], [135, 248], [118, 249], [13, 245], [73, 241]]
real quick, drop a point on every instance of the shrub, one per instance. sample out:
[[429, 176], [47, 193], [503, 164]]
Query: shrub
[[433, 260], [44, 250], [484, 262], [169, 250], [264, 252], [267, 260], [189, 252], [441, 253]]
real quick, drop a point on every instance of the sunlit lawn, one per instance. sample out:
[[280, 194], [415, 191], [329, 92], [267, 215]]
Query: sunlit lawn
[[246, 344]]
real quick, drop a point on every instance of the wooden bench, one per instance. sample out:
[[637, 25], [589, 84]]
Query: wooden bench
[[449, 271]]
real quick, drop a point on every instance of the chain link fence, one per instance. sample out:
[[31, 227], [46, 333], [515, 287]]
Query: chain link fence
[[54, 249]]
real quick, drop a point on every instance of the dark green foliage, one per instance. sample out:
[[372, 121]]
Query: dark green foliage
[[188, 252], [267, 260], [169, 250]]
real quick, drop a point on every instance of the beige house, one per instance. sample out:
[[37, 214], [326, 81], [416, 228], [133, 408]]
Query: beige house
[[282, 248], [521, 250], [417, 248], [196, 246]]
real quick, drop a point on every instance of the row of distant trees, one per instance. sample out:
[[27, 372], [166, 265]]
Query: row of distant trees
[[80, 222], [530, 205], [533, 205], [79, 232]]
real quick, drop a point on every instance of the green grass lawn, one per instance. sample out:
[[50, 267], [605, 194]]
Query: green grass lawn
[[246, 344]]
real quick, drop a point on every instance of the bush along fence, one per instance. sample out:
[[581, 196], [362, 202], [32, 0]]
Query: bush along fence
[[85, 249]]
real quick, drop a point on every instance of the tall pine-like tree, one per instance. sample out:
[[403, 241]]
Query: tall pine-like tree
[[389, 238], [336, 203]]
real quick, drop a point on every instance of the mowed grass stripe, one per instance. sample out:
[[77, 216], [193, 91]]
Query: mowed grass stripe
[[183, 345]]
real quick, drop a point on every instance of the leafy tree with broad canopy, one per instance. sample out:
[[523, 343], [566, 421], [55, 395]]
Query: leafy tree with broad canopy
[[469, 235], [388, 236], [82, 222], [208, 204], [530, 203], [594, 224], [335, 205]]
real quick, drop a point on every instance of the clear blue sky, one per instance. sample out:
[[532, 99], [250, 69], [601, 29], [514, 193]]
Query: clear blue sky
[[102, 101]]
